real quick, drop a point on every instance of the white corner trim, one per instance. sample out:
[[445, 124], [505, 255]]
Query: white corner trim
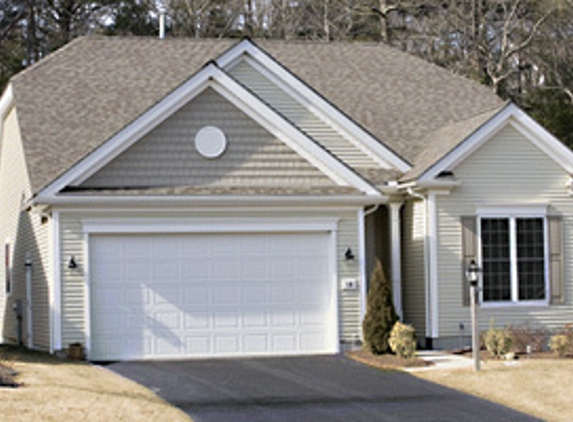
[[433, 288], [362, 256], [517, 118], [212, 77], [208, 225], [312, 101], [396, 255], [334, 332], [85, 268]]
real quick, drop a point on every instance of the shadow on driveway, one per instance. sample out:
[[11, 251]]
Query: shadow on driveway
[[318, 388]]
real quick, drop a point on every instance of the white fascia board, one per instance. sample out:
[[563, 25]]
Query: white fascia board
[[6, 101], [206, 200], [517, 118], [211, 76], [290, 135], [350, 130], [131, 133], [545, 141]]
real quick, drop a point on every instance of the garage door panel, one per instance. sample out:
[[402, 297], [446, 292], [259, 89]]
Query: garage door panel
[[137, 271], [197, 320], [255, 320], [195, 270], [226, 344], [167, 294], [226, 319], [255, 294], [137, 247], [196, 295], [211, 295], [254, 269], [224, 295]]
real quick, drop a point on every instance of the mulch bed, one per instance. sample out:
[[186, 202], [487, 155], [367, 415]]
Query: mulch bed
[[386, 361]]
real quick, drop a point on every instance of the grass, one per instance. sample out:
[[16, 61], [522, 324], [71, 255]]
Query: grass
[[56, 390], [539, 387]]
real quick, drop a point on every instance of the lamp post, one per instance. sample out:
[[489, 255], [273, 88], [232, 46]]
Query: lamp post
[[472, 274]]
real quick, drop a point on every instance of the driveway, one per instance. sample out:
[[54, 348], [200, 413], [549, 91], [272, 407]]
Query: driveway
[[322, 388]]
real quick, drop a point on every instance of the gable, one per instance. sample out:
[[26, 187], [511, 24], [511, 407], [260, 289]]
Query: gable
[[510, 167], [167, 157], [509, 117], [351, 152]]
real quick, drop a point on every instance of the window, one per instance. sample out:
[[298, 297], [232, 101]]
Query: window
[[513, 259], [7, 268]]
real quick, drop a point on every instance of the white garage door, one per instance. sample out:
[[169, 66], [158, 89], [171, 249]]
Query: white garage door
[[205, 295]]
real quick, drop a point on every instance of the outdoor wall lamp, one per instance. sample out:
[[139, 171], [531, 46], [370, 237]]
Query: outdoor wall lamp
[[349, 255], [72, 265], [472, 273]]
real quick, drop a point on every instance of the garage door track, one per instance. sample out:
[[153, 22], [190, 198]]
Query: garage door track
[[322, 388]]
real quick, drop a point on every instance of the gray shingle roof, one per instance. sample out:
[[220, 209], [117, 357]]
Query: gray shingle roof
[[77, 98]]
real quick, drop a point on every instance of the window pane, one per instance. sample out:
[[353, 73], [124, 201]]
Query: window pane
[[530, 258], [496, 259]]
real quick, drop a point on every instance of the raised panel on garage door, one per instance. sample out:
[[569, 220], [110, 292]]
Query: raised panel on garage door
[[204, 295]]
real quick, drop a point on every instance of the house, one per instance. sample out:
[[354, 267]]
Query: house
[[214, 198]]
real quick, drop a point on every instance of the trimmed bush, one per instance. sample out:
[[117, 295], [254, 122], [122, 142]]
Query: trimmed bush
[[380, 313], [562, 342], [403, 340], [497, 341]]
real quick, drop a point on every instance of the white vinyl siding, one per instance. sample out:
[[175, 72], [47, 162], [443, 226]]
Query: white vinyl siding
[[510, 171], [166, 157], [301, 117], [73, 282], [26, 234]]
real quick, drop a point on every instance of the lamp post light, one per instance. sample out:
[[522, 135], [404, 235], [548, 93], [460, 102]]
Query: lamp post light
[[472, 275]]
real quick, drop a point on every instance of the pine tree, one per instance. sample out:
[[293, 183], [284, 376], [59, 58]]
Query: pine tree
[[380, 312]]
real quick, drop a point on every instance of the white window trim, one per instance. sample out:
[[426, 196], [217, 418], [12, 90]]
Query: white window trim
[[512, 214]]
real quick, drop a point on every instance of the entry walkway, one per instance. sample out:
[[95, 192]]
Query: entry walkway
[[441, 360]]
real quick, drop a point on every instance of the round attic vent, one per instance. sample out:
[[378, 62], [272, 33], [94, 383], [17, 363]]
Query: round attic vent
[[210, 142]]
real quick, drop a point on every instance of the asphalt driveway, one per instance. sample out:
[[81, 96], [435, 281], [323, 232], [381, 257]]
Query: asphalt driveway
[[322, 388]]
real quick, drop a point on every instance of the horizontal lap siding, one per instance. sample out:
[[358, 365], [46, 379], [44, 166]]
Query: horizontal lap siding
[[167, 156], [413, 267], [73, 282], [301, 117], [27, 235], [507, 170]]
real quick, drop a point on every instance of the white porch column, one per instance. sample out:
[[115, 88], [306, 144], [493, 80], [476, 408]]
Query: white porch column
[[396, 254]]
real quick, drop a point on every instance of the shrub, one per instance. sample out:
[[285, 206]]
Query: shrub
[[562, 342], [403, 340], [524, 336], [380, 312], [497, 341]]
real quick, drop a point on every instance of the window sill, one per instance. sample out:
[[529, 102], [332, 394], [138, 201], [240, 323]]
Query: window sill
[[515, 305]]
